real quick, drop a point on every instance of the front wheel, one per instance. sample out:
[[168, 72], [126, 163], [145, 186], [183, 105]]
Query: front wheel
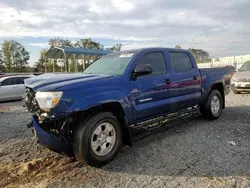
[[213, 108], [97, 139]]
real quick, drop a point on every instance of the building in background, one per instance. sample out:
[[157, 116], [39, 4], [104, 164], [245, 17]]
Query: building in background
[[232, 59], [235, 61]]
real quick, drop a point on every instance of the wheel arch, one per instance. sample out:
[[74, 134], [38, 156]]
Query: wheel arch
[[219, 87], [117, 110]]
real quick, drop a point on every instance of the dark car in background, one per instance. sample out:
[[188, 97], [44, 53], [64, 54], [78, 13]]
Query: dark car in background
[[241, 80]]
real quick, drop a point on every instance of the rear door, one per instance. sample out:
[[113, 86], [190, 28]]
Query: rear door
[[186, 80], [20, 87], [149, 93]]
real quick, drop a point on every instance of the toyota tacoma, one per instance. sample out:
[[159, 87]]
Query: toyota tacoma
[[91, 114]]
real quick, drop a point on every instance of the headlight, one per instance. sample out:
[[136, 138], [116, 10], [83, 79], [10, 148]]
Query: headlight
[[48, 100]]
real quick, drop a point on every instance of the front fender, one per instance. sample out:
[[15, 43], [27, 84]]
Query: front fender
[[87, 102]]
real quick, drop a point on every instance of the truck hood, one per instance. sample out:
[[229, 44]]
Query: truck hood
[[54, 81]]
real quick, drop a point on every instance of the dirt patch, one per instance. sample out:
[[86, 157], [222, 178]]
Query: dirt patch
[[35, 170]]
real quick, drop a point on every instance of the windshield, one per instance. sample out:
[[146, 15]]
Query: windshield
[[112, 64], [245, 66]]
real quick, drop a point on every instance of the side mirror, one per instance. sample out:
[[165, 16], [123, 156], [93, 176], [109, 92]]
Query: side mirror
[[142, 70]]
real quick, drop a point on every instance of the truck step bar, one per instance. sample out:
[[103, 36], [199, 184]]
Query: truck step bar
[[165, 119]]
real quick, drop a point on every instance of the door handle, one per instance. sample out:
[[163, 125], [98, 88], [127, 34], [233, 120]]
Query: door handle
[[195, 77], [167, 81]]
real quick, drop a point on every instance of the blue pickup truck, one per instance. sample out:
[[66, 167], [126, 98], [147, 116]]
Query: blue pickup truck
[[90, 115]]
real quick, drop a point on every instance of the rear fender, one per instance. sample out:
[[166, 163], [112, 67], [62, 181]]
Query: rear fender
[[218, 86]]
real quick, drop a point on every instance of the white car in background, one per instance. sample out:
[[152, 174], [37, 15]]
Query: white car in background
[[241, 80], [12, 87]]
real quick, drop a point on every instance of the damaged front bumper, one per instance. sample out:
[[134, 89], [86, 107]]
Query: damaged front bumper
[[51, 141], [51, 130]]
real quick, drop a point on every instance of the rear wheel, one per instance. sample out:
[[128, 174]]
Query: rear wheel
[[97, 139], [213, 108]]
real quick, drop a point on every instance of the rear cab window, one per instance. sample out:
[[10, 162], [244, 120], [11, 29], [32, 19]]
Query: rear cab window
[[180, 62]]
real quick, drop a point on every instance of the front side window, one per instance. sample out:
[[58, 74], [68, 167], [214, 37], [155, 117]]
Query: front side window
[[112, 64], [180, 62], [156, 60]]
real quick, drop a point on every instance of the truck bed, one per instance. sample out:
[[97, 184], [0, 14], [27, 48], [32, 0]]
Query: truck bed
[[223, 74]]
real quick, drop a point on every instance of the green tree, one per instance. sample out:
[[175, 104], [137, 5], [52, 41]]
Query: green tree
[[22, 60], [54, 42], [86, 43], [6, 55], [2, 68], [116, 48], [178, 46], [200, 55], [90, 44], [15, 56], [65, 43], [57, 42], [40, 64], [1, 62], [96, 45]]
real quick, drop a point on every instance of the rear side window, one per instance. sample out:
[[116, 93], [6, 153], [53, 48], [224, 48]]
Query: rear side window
[[10, 81], [180, 62], [156, 60]]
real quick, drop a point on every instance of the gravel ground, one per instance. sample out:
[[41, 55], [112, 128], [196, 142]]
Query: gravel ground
[[197, 153]]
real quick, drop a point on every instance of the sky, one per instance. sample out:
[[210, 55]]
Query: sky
[[221, 27]]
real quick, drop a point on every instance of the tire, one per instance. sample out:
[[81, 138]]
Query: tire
[[85, 139], [214, 112]]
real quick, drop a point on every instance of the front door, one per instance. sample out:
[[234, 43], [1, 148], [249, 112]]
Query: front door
[[150, 93]]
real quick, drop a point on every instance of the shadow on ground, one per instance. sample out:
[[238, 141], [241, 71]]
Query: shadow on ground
[[195, 148]]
